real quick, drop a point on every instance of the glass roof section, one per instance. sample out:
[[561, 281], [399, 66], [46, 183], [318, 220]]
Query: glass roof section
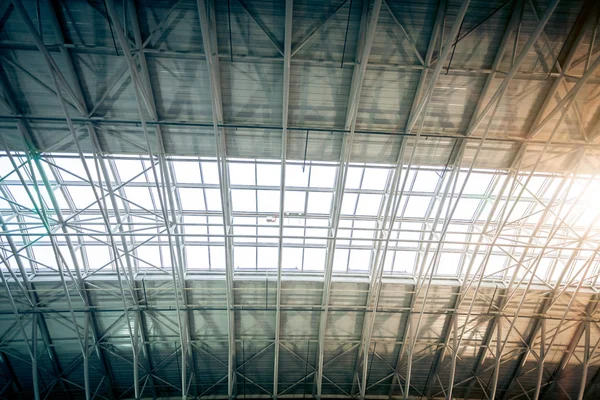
[[452, 223]]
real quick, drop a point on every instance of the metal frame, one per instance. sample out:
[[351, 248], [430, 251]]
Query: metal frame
[[112, 222]]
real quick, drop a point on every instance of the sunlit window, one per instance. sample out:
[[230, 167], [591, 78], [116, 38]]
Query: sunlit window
[[444, 223]]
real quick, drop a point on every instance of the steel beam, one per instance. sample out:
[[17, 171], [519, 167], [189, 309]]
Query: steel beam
[[548, 301], [437, 27], [504, 300], [56, 25], [183, 320], [206, 13], [262, 26], [422, 104], [492, 329], [10, 375], [23, 129], [287, 54], [515, 66], [582, 328], [539, 324], [512, 25], [436, 31], [144, 93], [442, 348], [81, 106], [592, 386], [585, 18], [386, 225], [366, 37]]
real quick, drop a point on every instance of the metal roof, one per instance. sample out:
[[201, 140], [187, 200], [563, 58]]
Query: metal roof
[[328, 199]]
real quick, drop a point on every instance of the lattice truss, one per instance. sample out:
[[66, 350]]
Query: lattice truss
[[317, 250]]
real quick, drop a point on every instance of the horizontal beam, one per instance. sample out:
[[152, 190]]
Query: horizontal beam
[[312, 129]]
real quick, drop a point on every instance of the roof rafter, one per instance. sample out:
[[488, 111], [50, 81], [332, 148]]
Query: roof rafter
[[287, 53], [365, 42], [209, 39]]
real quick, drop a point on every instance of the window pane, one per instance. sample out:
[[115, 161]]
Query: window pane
[[128, 169], [210, 173], [187, 172], [426, 181], [267, 257], [448, 263], [314, 259], [241, 174], [368, 204], [375, 178], [417, 207], [213, 199], [319, 203], [292, 258], [322, 177], [192, 199], [217, 257], [349, 203], [295, 177], [340, 260], [353, 177], [294, 201], [268, 201], [359, 260], [268, 175], [244, 257], [243, 200], [197, 257]]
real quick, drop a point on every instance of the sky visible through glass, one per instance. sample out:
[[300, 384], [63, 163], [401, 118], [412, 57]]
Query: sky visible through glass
[[549, 230]]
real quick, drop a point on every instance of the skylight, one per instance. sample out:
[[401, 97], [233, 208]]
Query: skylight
[[459, 237]]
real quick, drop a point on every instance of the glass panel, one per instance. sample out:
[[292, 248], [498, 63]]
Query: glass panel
[[368, 204], [210, 173], [244, 257], [319, 203], [306, 238], [295, 177], [268, 201], [187, 172], [292, 258], [404, 261], [314, 259], [243, 200], [213, 199], [354, 177], [241, 174], [417, 207], [349, 203], [217, 257], [128, 169], [268, 175], [99, 256], [197, 257], [322, 177], [340, 260], [141, 197], [448, 263], [191, 199], [375, 178], [267, 257], [294, 201], [426, 181], [359, 260]]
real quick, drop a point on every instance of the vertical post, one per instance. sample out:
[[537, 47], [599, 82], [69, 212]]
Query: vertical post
[[586, 361], [366, 37], [209, 40], [34, 358], [287, 55]]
